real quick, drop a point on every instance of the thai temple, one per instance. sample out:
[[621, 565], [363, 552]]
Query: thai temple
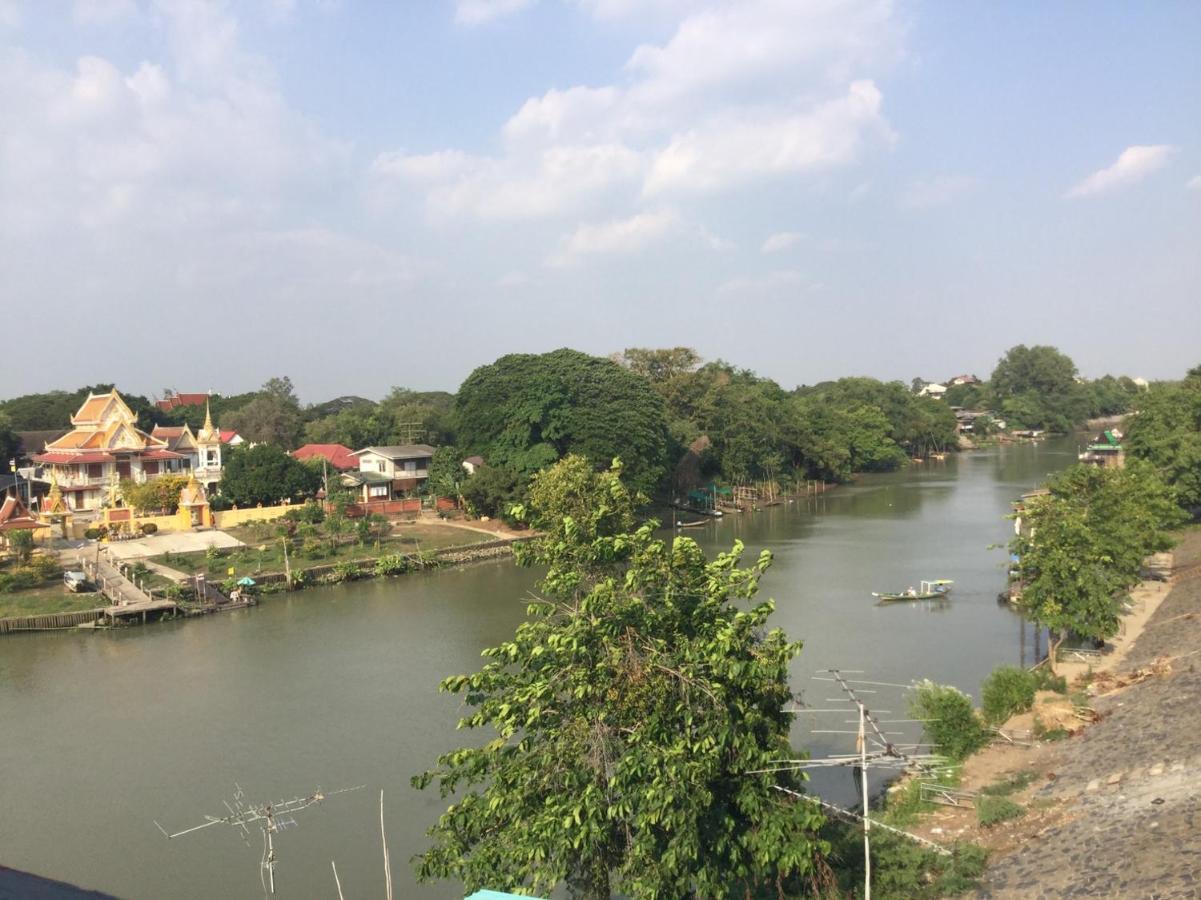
[[105, 446]]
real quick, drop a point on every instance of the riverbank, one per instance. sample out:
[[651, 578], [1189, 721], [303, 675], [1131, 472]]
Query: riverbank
[[418, 546], [1111, 807]]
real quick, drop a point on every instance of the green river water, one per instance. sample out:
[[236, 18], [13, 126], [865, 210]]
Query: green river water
[[101, 734]]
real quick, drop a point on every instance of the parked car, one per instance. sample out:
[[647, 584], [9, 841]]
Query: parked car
[[76, 581]]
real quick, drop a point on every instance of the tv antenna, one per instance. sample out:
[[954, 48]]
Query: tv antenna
[[874, 747], [271, 818]]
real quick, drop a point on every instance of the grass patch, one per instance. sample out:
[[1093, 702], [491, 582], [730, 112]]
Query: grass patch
[[992, 811], [52, 599], [250, 560], [1043, 733], [1010, 784]]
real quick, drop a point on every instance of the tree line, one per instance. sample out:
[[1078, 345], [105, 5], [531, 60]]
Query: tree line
[[1082, 543], [675, 420]]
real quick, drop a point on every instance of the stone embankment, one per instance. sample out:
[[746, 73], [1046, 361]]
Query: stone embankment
[[1120, 803]]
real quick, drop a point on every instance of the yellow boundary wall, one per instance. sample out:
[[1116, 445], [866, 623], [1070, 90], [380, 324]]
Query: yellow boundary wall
[[228, 518]]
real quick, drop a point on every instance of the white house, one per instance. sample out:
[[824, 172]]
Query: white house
[[388, 473]]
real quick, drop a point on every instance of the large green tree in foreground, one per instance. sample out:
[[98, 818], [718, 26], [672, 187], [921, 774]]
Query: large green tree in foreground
[[637, 712]]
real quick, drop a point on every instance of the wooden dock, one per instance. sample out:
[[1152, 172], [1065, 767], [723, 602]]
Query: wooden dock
[[128, 600]]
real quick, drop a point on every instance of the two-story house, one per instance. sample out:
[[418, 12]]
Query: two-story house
[[388, 473]]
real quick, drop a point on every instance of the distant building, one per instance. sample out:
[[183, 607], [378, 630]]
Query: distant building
[[388, 473], [963, 379], [175, 401], [472, 463], [933, 390], [338, 456], [1105, 451]]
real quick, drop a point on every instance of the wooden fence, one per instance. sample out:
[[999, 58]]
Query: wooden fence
[[49, 621]]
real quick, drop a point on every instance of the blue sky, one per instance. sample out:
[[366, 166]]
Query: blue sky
[[203, 194]]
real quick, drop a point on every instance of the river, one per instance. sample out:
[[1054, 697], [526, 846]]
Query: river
[[102, 734]]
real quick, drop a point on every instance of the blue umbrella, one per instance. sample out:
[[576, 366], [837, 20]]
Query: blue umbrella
[[246, 581]]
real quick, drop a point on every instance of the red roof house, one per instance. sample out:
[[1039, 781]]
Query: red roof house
[[174, 401], [336, 455]]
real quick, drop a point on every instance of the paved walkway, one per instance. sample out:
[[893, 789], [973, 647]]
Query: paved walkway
[[176, 542], [1130, 785]]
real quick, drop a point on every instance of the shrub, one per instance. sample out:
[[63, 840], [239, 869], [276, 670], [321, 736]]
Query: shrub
[[1046, 680], [19, 580], [992, 810], [47, 568], [310, 513], [1008, 691], [1043, 733], [346, 571], [211, 553], [392, 564], [148, 528], [1010, 784], [950, 720], [93, 534]]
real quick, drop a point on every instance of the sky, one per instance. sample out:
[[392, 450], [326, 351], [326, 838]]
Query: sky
[[201, 195]]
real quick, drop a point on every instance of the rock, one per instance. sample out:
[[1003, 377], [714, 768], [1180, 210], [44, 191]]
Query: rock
[[1114, 778]]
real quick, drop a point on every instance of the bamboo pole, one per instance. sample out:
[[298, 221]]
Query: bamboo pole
[[384, 839], [337, 881]]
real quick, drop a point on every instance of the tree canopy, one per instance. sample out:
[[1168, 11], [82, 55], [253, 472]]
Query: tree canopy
[[266, 474], [1036, 387], [1167, 433], [636, 712], [525, 411], [1082, 544]]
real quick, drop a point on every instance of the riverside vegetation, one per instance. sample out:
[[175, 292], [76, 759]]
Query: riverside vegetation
[[674, 419]]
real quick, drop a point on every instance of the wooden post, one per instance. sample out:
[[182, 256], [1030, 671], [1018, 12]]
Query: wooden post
[[867, 823]]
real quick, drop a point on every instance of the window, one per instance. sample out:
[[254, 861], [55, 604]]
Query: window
[[95, 470], [378, 490], [382, 466], [410, 465]]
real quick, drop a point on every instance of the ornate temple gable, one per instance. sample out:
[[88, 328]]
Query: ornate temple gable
[[104, 423], [123, 437], [102, 410]]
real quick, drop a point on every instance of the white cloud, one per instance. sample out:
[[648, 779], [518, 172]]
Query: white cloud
[[937, 191], [620, 236], [573, 114], [739, 93], [733, 150], [1194, 183], [1135, 164], [479, 12], [781, 241], [211, 142], [556, 179]]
